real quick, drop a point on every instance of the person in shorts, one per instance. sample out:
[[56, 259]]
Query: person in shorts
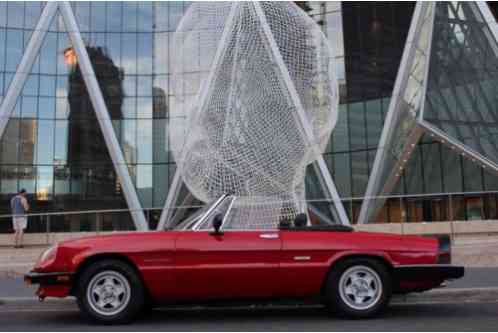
[[19, 207]]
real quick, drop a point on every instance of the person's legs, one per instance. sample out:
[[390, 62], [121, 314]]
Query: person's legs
[[16, 232], [21, 236], [22, 224], [17, 238]]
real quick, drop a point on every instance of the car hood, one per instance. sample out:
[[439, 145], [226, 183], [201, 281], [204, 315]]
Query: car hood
[[122, 240], [70, 253]]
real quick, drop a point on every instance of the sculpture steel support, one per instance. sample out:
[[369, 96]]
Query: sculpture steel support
[[232, 39]]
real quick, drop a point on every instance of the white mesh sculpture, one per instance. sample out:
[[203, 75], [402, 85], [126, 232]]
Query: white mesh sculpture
[[255, 100]]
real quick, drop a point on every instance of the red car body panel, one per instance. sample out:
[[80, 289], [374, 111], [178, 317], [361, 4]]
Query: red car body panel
[[236, 264], [196, 265]]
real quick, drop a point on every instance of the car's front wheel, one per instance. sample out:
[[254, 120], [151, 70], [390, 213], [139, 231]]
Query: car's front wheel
[[110, 292], [359, 288]]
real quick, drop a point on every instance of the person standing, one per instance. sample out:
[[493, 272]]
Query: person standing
[[19, 207]]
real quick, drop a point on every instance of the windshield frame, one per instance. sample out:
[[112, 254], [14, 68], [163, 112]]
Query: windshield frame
[[192, 222], [230, 200]]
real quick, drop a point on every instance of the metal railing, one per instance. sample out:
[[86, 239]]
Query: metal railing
[[430, 207], [85, 220], [456, 206]]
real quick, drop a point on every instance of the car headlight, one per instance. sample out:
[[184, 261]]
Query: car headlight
[[48, 255]]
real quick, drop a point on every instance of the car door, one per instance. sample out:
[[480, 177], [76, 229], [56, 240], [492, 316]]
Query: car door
[[235, 264], [305, 261]]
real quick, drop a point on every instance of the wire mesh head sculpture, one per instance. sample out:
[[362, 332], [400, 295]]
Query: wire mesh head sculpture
[[234, 126]]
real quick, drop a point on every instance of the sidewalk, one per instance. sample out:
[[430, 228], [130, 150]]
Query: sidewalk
[[16, 262], [476, 252]]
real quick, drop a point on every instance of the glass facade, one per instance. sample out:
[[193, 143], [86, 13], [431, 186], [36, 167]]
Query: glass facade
[[374, 37], [462, 91], [54, 148], [461, 51], [53, 145]]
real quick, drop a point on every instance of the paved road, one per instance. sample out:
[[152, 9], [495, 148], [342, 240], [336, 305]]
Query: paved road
[[427, 317], [477, 278], [448, 316]]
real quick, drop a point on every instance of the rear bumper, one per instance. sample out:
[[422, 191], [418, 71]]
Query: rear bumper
[[417, 278], [428, 272], [48, 279]]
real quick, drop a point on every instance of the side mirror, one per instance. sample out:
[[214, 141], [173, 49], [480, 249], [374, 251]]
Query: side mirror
[[301, 220], [217, 222]]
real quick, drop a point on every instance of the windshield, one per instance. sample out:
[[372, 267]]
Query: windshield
[[190, 221]]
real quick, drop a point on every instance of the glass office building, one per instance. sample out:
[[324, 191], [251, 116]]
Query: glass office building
[[54, 147]]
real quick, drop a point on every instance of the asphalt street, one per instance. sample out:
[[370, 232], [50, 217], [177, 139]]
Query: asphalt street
[[19, 312], [423, 317]]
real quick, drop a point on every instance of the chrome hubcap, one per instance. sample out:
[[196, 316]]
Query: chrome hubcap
[[108, 293], [360, 287]]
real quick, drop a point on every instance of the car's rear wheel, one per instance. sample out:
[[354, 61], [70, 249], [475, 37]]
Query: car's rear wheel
[[359, 288], [110, 292]]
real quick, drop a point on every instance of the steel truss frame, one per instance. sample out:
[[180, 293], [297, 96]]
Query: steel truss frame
[[376, 185]]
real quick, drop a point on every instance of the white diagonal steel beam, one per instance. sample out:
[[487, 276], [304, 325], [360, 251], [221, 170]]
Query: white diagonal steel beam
[[388, 130], [173, 192], [103, 118]]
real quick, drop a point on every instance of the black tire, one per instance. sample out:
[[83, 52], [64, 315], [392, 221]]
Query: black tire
[[149, 306], [341, 303], [129, 308]]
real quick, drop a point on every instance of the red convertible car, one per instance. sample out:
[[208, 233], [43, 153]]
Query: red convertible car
[[202, 260]]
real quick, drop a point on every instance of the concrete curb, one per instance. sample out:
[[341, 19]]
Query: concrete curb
[[453, 295]]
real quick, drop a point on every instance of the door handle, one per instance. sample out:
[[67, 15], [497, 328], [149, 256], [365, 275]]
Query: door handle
[[268, 236]]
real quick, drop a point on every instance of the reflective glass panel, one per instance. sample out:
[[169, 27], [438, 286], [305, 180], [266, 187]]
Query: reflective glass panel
[[10, 142], [45, 142], [463, 86], [144, 184]]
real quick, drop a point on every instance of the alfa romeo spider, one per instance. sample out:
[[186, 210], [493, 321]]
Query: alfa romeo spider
[[206, 260]]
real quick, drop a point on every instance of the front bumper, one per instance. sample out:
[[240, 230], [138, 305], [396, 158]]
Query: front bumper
[[48, 279], [428, 272], [56, 284]]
